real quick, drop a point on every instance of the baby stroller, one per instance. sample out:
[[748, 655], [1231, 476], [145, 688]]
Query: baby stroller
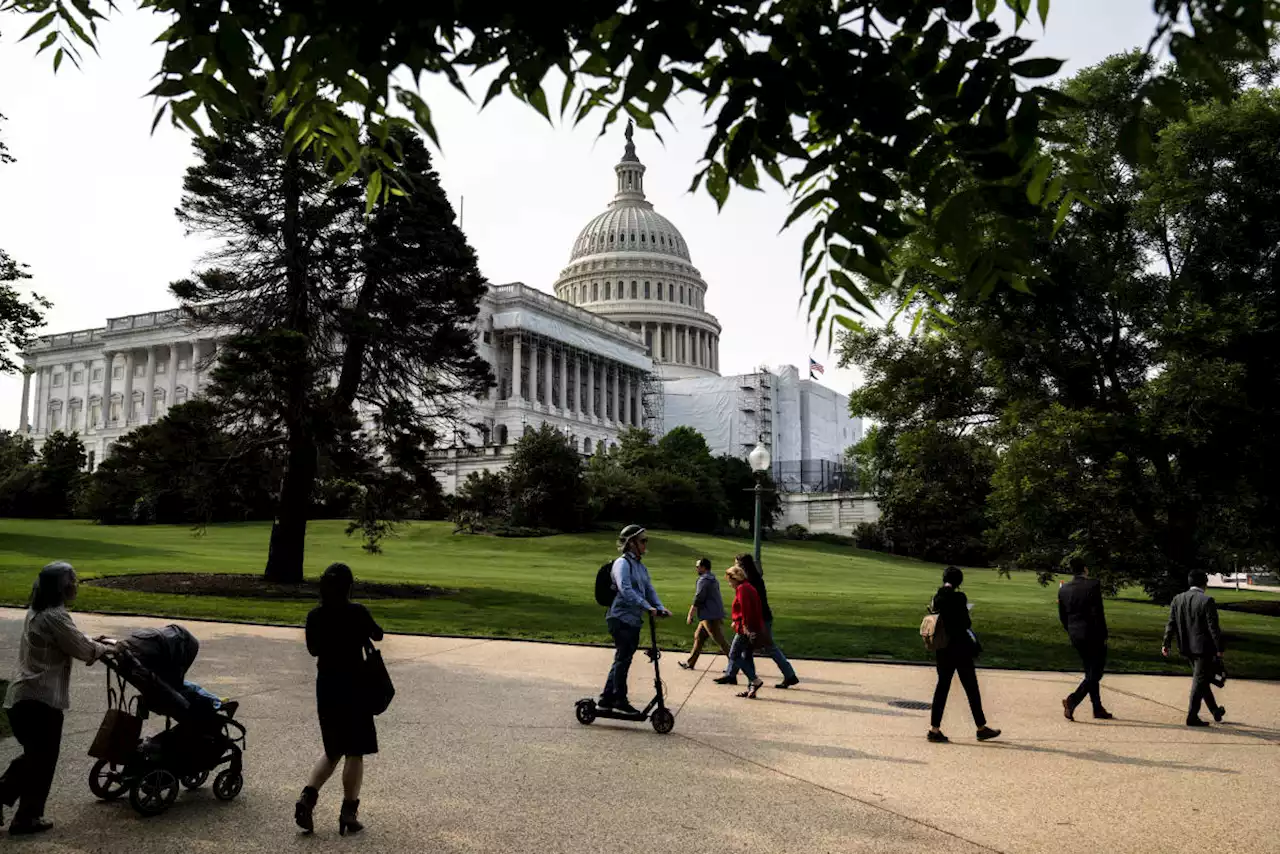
[[200, 732]]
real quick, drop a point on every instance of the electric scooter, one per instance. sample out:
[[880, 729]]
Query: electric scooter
[[656, 712]]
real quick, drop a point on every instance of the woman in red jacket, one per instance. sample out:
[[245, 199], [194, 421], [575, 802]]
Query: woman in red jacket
[[748, 624]]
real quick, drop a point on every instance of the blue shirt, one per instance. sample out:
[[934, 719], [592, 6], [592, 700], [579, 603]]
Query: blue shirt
[[635, 591]]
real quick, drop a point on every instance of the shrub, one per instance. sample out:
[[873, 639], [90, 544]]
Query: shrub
[[795, 531], [872, 536]]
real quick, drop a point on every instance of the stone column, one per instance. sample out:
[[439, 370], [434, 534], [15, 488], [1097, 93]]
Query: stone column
[[88, 389], [149, 393], [580, 374], [24, 422], [126, 404], [564, 381], [108, 357], [591, 389], [517, 388], [688, 345], [548, 396], [171, 388], [611, 392], [628, 416], [197, 353]]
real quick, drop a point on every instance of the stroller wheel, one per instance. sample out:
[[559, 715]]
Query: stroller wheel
[[195, 781], [106, 780], [155, 792], [663, 721], [227, 784]]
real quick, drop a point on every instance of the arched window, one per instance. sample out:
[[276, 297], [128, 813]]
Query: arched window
[[586, 445], [595, 291], [659, 290], [642, 240], [502, 434], [634, 291], [682, 294], [608, 293], [646, 291]]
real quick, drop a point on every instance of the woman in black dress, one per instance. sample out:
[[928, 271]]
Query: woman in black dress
[[337, 632]]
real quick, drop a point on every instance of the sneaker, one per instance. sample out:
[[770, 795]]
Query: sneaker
[[623, 707], [938, 738], [684, 665], [726, 680], [604, 703], [1068, 710], [1220, 714], [787, 683], [1103, 715], [1197, 722], [987, 733]]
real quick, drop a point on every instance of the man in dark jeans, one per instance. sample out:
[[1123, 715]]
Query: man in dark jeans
[[1080, 610], [1193, 620]]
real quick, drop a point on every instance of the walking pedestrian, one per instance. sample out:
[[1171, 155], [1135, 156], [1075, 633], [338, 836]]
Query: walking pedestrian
[[1080, 610], [337, 633], [749, 630], [1193, 620], [635, 596], [789, 678], [708, 607], [40, 694], [956, 658]]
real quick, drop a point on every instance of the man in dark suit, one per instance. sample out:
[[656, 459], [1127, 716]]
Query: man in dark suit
[[1080, 610], [1193, 619]]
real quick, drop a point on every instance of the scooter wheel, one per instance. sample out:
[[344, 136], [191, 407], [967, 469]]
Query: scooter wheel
[[663, 721], [585, 711]]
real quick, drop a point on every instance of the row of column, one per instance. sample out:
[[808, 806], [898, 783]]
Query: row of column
[[680, 344], [44, 386], [619, 399]]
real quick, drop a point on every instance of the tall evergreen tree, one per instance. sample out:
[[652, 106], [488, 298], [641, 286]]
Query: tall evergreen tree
[[337, 313]]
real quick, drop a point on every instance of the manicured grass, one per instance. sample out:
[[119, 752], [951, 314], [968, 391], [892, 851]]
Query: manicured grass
[[830, 601]]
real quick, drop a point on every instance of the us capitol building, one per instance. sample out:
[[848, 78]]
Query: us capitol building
[[625, 342]]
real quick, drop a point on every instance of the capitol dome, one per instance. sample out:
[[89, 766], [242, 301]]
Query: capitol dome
[[631, 265]]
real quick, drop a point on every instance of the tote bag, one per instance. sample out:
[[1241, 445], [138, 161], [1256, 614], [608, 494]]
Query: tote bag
[[378, 690]]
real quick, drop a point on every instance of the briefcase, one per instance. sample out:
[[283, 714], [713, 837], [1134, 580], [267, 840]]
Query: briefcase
[[117, 736]]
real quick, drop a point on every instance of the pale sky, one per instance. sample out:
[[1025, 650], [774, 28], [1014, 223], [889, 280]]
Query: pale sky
[[89, 204]]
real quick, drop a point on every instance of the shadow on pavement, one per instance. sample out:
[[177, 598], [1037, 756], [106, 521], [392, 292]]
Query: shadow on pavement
[[1101, 756]]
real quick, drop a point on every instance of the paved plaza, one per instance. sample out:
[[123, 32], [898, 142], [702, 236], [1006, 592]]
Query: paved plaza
[[480, 753]]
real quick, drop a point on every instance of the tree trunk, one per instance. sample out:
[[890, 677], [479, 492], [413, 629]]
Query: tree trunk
[[289, 531]]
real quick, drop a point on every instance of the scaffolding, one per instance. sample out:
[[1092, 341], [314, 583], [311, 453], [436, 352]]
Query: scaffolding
[[755, 410]]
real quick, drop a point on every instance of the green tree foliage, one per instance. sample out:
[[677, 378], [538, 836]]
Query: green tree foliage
[[19, 317], [43, 485], [1133, 394], [186, 468], [482, 497], [336, 313], [884, 118], [545, 484]]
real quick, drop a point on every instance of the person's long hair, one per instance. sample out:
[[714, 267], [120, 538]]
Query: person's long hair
[[50, 587], [748, 564], [336, 584]]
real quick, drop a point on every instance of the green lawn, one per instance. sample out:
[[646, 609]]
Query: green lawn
[[831, 601]]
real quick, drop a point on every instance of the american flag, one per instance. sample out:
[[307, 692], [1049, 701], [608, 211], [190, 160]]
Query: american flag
[[814, 368]]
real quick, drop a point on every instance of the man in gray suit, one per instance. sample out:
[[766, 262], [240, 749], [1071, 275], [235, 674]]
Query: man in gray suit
[[1193, 619]]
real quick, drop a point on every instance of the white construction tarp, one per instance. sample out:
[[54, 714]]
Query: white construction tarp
[[708, 405], [571, 334]]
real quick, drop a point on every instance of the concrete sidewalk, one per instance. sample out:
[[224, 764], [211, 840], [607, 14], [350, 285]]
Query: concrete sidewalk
[[481, 753]]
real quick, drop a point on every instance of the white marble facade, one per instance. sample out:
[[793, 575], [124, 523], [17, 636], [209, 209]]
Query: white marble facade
[[101, 383]]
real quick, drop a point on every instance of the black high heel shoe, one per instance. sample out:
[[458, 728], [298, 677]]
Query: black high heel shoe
[[304, 809], [348, 818]]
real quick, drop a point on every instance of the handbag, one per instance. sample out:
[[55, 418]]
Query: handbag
[[760, 640], [378, 690], [117, 736]]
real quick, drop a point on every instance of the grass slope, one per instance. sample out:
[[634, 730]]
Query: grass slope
[[830, 601]]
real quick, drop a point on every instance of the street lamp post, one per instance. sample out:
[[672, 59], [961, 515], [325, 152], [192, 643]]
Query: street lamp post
[[759, 461]]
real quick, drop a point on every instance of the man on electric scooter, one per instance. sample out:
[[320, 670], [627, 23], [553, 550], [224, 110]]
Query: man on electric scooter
[[635, 596]]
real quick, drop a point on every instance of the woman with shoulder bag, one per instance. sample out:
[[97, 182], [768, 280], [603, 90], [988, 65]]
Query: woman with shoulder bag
[[337, 633], [956, 658], [750, 632]]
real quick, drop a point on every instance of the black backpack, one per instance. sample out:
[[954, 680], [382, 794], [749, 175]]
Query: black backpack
[[605, 591]]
